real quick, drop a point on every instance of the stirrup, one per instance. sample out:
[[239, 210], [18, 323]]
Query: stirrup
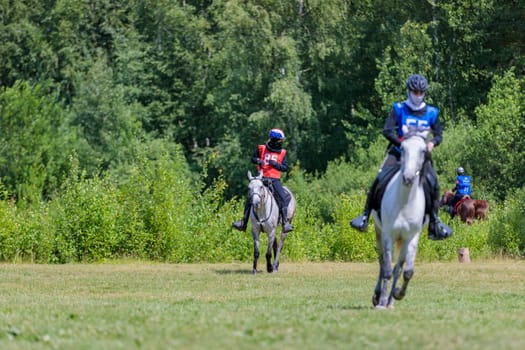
[[438, 231], [360, 223]]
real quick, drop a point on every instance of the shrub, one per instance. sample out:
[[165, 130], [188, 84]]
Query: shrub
[[507, 232], [85, 215]]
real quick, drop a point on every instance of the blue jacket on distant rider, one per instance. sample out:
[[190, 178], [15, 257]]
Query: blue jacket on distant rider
[[462, 189]]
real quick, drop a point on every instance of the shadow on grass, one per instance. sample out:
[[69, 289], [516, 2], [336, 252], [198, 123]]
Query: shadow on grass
[[233, 272], [351, 307]]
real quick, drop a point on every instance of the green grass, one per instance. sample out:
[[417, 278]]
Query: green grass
[[222, 306]]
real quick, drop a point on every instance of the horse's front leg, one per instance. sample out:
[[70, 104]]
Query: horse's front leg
[[278, 251], [379, 248], [377, 289], [271, 242], [255, 236], [399, 293], [393, 292]]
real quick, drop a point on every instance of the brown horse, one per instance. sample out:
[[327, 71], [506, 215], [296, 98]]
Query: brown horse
[[467, 208]]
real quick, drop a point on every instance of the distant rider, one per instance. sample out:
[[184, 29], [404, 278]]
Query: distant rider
[[461, 190], [271, 159]]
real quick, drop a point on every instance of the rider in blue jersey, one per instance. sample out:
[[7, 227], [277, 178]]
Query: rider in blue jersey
[[416, 113], [462, 188]]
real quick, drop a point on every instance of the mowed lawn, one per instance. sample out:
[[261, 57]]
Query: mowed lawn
[[135, 305]]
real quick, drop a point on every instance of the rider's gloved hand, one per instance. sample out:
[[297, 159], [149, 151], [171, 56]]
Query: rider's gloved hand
[[274, 164]]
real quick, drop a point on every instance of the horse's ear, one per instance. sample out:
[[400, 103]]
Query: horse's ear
[[260, 175], [424, 133], [250, 175]]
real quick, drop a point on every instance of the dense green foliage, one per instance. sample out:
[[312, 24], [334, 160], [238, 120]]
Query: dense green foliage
[[127, 126]]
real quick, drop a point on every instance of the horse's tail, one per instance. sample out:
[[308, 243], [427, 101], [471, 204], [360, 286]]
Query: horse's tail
[[291, 203]]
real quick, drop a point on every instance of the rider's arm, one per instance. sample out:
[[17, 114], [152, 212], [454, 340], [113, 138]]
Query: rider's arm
[[457, 185], [437, 131], [390, 129], [256, 159], [283, 167]]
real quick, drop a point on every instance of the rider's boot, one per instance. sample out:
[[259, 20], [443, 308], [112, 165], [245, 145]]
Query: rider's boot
[[287, 226], [436, 229], [361, 222], [243, 223]]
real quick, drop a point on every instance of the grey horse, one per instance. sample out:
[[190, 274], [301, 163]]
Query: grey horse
[[264, 217], [402, 219]]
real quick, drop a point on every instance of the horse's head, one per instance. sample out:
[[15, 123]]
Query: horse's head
[[257, 190], [447, 196], [413, 154]]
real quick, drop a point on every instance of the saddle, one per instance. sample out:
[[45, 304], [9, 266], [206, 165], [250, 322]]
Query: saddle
[[458, 204], [269, 184], [383, 178]]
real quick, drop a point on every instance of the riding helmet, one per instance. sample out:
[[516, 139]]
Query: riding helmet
[[460, 171], [276, 134], [417, 82]]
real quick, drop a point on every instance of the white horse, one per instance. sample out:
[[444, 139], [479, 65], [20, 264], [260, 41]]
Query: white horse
[[264, 217], [402, 219]]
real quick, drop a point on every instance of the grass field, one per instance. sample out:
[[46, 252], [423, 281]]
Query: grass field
[[223, 306]]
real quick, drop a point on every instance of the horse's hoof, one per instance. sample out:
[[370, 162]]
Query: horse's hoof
[[254, 272], [375, 299], [398, 294], [380, 307]]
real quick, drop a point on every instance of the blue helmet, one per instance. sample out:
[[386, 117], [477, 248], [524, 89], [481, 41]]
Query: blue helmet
[[417, 82], [276, 134]]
